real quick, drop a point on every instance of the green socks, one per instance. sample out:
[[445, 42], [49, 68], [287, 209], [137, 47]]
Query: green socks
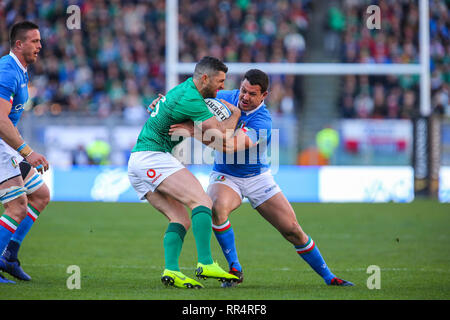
[[202, 229], [174, 238], [173, 242]]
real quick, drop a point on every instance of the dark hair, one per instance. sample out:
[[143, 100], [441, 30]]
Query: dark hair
[[18, 31], [210, 66], [257, 77]]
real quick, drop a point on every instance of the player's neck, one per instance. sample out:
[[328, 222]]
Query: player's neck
[[20, 58], [198, 86]]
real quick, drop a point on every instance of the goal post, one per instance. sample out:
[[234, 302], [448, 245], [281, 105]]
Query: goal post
[[174, 68]]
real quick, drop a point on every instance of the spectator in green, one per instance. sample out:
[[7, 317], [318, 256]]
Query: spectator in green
[[336, 19], [327, 141]]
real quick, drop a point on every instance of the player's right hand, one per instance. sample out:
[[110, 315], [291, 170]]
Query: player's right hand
[[153, 104], [184, 129], [38, 161]]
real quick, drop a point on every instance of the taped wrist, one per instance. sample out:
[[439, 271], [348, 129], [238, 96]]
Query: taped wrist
[[24, 150]]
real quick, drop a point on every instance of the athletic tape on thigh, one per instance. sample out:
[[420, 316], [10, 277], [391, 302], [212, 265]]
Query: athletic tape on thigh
[[11, 193], [33, 183]]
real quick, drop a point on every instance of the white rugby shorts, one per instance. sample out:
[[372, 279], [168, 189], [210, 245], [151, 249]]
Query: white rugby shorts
[[147, 169], [9, 162], [257, 189], [10, 168]]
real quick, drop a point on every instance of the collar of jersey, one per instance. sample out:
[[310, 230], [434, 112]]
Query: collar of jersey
[[254, 110], [17, 61]]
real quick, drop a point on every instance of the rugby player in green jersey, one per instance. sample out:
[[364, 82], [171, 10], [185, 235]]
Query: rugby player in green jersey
[[167, 185]]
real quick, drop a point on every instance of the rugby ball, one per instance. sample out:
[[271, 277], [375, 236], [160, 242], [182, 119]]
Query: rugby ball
[[219, 109]]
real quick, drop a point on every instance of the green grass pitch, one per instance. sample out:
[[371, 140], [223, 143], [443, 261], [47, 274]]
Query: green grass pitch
[[118, 248]]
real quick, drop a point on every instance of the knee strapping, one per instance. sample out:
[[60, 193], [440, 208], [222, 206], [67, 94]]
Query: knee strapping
[[33, 183], [11, 193]]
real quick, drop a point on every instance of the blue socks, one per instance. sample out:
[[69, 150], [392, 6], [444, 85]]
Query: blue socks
[[225, 236], [311, 254], [22, 230], [7, 227]]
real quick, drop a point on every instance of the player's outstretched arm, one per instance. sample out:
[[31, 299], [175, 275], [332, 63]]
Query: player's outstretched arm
[[219, 131], [183, 129], [11, 136], [187, 129], [237, 142], [211, 130]]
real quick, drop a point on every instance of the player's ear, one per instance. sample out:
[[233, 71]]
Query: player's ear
[[264, 95], [205, 79], [18, 44]]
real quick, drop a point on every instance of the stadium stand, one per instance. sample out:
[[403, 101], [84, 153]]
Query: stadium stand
[[390, 96], [114, 65]]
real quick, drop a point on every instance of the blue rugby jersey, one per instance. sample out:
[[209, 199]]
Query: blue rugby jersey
[[258, 126], [13, 85]]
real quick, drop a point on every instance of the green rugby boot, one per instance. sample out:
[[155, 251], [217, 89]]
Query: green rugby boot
[[179, 280]]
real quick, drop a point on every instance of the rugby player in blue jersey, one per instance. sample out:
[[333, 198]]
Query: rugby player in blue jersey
[[23, 192], [231, 182]]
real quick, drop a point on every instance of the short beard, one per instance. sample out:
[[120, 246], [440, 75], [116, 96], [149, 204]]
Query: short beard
[[29, 61], [208, 93]]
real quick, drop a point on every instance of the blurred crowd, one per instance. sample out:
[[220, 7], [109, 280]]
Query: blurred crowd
[[396, 42], [248, 31], [114, 65]]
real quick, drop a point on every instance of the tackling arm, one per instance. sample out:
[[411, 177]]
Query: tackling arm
[[226, 127], [238, 141]]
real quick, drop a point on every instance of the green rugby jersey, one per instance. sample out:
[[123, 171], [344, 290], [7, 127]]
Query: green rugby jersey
[[182, 103]]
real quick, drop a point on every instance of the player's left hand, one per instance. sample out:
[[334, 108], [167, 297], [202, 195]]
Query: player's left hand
[[38, 161], [184, 129], [153, 104]]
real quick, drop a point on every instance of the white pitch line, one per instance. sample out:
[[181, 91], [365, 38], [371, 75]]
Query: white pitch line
[[191, 268]]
